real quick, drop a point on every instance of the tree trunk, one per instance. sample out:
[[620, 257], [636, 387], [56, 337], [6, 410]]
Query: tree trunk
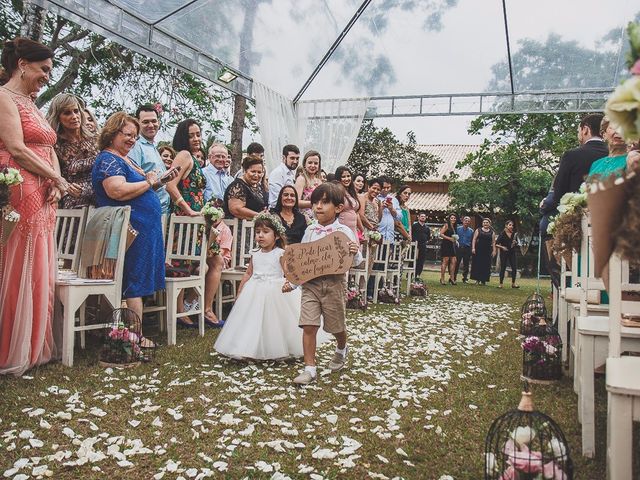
[[33, 21], [237, 129]]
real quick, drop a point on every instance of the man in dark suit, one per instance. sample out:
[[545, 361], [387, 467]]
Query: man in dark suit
[[575, 163], [421, 233]]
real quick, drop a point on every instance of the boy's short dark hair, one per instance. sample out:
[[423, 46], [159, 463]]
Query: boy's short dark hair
[[593, 121], [330, 192]]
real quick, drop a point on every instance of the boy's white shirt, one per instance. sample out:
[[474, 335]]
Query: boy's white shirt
[[312, 234]]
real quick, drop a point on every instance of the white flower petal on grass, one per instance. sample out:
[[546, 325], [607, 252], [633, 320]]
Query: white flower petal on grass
[[134, 423], [400, 451], [382, 459], [39, 470], [37, 412], [324, 453], [332, 419], [68, 432], [473, 407], [25, 434], [220, 466], [36, 443]]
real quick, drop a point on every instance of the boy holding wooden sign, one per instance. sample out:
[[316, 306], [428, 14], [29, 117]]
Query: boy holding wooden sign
[[324, 295]]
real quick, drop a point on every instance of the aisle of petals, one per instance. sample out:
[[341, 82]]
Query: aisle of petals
[[246, 419]]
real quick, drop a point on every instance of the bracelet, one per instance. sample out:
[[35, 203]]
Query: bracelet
[[179, 201]]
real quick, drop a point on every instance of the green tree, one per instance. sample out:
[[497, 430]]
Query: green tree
[[513, 168], [109, 76], [378, 152]]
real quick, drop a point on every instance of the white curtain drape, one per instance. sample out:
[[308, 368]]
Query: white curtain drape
[[328, 126], [277, 122], [331, 127]]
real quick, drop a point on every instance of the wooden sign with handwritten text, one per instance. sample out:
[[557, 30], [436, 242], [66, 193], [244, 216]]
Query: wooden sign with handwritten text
[[327, 256]]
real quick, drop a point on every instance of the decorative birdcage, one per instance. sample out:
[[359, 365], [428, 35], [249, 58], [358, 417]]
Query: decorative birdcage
[[418, 288], [387, 295], [525, 444], [124, 345], [534, 304], [355, 299], [542, 354], [531, 324]]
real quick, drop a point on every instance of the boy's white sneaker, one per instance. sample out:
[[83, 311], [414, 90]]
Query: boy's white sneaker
[[338, 361], [305, 378]]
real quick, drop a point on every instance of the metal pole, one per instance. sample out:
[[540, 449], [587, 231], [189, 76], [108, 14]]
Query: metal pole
[[539, 252]]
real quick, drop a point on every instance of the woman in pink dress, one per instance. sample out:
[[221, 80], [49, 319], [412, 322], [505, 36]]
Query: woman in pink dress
[[28, 259], [349, 215]]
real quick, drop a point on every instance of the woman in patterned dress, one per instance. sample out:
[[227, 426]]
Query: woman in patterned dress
[[187, 192], [28, 258], [76, 149], [246, 196]]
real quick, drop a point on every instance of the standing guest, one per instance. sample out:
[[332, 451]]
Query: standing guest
[[294, 222], [390, 211], [507, 242], [167, 154], [615, 162], [575, 164], [91, 120], [483, 248], [76, 148], [245, 197], [359, 183], [324, 296], [307, 182], [448, 247], [187, 191], [227, 163], [370, 206], [349, 214], [402, 226], [256, 150], [465, 237], [218, 179], [145, 154], [421, 234], [199, 156], [28, 263], [283, 174], [119, 181], [323, 176]]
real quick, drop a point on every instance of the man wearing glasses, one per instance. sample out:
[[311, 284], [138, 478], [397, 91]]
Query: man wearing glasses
[[218, 178], [145, 153]]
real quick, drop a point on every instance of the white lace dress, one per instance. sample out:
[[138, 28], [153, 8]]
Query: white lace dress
[[263, 323]]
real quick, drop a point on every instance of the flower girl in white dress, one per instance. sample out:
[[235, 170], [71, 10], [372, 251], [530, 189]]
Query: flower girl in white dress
[[263, 323]]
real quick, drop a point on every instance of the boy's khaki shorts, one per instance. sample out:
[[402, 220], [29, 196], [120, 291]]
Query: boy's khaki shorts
[[324, 296]]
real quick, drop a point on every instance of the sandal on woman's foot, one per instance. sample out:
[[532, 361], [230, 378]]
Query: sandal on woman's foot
[[515, 286], [500, 286], [208, 321], [442, 282], [184, 324], [147, 343]]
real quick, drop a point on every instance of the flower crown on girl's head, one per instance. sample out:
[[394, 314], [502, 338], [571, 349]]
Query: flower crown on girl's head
[[273, 220]]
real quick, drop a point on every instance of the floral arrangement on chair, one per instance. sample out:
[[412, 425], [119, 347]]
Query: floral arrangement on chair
[[355, 300], [418, 289], [10, 218], [386, 295], [566, 227]]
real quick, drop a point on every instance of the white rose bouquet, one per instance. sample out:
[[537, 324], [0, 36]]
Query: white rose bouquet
[[9, 177], [566, 227]]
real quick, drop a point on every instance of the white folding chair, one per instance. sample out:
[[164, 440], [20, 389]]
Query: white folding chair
[[185, 234], [622, 377], [73, 292], [244, 245], [409, 255], [158, 304], [386, 268], [70, 225], [359, 274]]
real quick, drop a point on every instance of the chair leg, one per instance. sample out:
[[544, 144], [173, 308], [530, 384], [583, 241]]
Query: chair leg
[[586, 401], [83, 320], [172, 309], [68, 328], [200, 290], [619, 437], [219, 300]]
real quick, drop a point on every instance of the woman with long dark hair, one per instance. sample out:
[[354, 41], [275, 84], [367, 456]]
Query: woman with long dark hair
[[483, 248], [293, 221], [507, 242], [403, 226], [349, 215]]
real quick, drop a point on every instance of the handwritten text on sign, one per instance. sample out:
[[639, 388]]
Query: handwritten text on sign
[[327, 256]]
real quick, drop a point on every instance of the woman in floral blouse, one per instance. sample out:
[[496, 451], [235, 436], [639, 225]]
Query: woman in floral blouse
[[246, 196], [76, 148]]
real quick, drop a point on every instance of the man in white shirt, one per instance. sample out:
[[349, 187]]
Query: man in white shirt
[[218, 179], [283, 174], [390, 211], [145, 153]]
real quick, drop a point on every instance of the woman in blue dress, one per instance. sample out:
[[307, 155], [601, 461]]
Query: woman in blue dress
[[117, 181], [616, 162]]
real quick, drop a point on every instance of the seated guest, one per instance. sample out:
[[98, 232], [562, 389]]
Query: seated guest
[[403, 228], [283, 174], [254, 150], [76, 148], [144, 152], [167, 154], [360, 183], [118, 181], [370, 206], [218, 179], [349, 214], [245, 197], [294, 222]]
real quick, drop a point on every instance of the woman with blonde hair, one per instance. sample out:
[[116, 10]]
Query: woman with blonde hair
[[76, 149], [308, 180]]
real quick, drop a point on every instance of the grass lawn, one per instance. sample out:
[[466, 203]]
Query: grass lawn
[[425, 380]]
